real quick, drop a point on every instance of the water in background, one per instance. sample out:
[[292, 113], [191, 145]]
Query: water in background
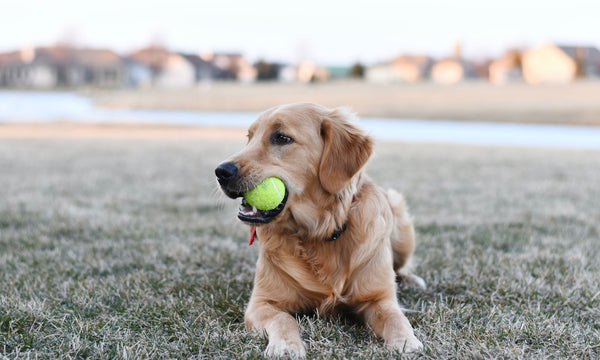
[[22, 106]]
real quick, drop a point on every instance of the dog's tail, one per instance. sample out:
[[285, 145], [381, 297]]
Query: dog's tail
[[403, 234], [397, 203], [403, 239]]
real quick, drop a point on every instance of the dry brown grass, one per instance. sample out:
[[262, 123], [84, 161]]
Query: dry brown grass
[[109, 130], [577, 103]]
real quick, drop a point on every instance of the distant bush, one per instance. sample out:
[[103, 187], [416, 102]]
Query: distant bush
[[266, 71], [357, 71]]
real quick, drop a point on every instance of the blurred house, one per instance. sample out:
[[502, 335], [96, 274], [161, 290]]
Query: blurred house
[[47, 67], [381, 74], [288, 74], [236, 65], [413, 68], [138, 74], [305, 72], [27, 69], [177, 71], [167, 69], [452, 71], [560, 64], [308, 71], [405, 68], [507, 68], [482, 68], [153, 57], [338, 72], [207, 70], [98, 67]]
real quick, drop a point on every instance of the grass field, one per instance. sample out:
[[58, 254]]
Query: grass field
[[124, 249]]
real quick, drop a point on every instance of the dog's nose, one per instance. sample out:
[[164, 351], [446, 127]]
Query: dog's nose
[[226, 171]]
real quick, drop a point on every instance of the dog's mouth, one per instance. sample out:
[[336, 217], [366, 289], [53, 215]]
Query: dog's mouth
[[250, 214]]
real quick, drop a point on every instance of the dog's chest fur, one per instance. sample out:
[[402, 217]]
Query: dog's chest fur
[[319, 279], [322, 273]]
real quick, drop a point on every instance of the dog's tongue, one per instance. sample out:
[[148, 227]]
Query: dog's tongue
[[252, 235]]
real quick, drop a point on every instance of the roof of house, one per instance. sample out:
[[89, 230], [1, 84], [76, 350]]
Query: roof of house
[[98, 57], [63, 54], [196, 60], [207, 66], [154, 56], [412, 59], [588, 53], [10, 58]]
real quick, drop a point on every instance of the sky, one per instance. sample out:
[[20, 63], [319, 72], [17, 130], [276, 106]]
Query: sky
[[327, 32]]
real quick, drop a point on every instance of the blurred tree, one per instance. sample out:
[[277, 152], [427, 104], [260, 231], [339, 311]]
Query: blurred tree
[[514, 56], [266, 71], [357, 70], [580, 62]]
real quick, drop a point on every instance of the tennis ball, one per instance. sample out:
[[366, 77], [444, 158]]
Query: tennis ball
[[267, 195]]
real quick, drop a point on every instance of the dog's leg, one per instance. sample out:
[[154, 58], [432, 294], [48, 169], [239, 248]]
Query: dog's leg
[[389, 323], [281, 327]]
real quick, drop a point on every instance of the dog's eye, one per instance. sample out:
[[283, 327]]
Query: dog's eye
[[281, 139]]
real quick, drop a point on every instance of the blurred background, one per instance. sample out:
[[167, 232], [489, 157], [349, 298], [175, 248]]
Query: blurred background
[[456, 64]]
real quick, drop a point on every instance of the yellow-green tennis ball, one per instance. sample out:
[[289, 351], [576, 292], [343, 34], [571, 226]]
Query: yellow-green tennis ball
[[267, 195]]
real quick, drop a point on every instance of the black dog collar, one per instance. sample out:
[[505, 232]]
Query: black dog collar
[[337, 233]]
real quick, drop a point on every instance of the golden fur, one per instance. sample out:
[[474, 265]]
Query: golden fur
[[298, 270]]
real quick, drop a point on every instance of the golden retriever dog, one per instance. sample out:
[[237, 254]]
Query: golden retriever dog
[[336, 243]]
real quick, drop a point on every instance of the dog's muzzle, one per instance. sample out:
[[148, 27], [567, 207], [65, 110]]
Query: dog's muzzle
[[228, 178]]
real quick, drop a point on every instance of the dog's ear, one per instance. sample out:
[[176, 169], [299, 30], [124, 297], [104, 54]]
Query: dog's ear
[[346, 150]]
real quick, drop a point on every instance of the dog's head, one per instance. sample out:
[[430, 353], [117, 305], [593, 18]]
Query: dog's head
[[314, 150]]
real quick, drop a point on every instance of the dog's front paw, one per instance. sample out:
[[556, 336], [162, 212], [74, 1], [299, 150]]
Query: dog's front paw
[[282, 347], [407, 345]]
